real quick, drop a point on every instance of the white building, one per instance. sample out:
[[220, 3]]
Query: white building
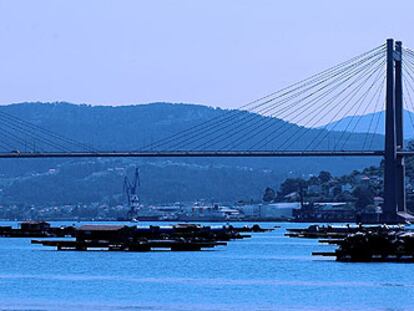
[[268, 211], [278, 210]]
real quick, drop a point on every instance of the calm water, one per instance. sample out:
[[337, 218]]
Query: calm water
[[266, 272]]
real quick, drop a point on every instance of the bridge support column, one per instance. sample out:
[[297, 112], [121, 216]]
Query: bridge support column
[[389, 211], [394, 172], [399, 121]]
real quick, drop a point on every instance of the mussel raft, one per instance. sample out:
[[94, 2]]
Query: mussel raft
[[182, 237], [373, 246], [380, 243]]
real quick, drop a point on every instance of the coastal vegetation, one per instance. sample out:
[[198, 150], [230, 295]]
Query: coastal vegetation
[[362, 188]]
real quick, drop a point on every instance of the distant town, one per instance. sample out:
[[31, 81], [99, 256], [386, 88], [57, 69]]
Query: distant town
[[321, 198]]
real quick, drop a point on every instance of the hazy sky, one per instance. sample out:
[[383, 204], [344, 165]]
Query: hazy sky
[[215, 52]]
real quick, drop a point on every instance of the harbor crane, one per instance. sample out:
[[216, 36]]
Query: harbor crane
[[130, 188]]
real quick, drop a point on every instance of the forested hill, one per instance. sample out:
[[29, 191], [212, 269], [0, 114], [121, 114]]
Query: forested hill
[[128, 128]]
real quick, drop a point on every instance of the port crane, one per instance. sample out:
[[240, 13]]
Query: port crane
[[130, 188]]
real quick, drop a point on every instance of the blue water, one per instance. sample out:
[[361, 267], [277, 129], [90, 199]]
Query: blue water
[[266, 272]]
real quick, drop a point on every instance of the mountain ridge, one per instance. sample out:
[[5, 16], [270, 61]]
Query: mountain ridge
[[363, 124]]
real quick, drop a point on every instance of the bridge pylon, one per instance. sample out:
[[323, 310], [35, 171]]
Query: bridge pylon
[[394, 209]]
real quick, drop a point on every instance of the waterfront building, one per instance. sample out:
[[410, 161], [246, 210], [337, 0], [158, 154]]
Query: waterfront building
[[326, 212]]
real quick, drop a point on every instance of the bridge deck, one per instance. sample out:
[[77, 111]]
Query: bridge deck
[[151, 154]]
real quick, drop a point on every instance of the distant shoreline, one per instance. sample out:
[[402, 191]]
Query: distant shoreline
[[177, 221]]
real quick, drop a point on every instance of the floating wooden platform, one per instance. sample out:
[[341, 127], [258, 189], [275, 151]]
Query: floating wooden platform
[[373, 246], [137, 246], [338, 232], [182, 237], [36, 229], [41, 229]]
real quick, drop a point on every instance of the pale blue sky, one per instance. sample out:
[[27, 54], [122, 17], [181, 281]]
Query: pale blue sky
[[214, 52]]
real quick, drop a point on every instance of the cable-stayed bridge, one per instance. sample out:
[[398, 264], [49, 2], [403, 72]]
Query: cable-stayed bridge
[[297, 121]]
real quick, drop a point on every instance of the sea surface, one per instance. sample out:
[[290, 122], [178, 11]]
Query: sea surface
[[267, 272]]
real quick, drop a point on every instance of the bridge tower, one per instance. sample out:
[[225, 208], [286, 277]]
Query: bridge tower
[[394, 171]]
